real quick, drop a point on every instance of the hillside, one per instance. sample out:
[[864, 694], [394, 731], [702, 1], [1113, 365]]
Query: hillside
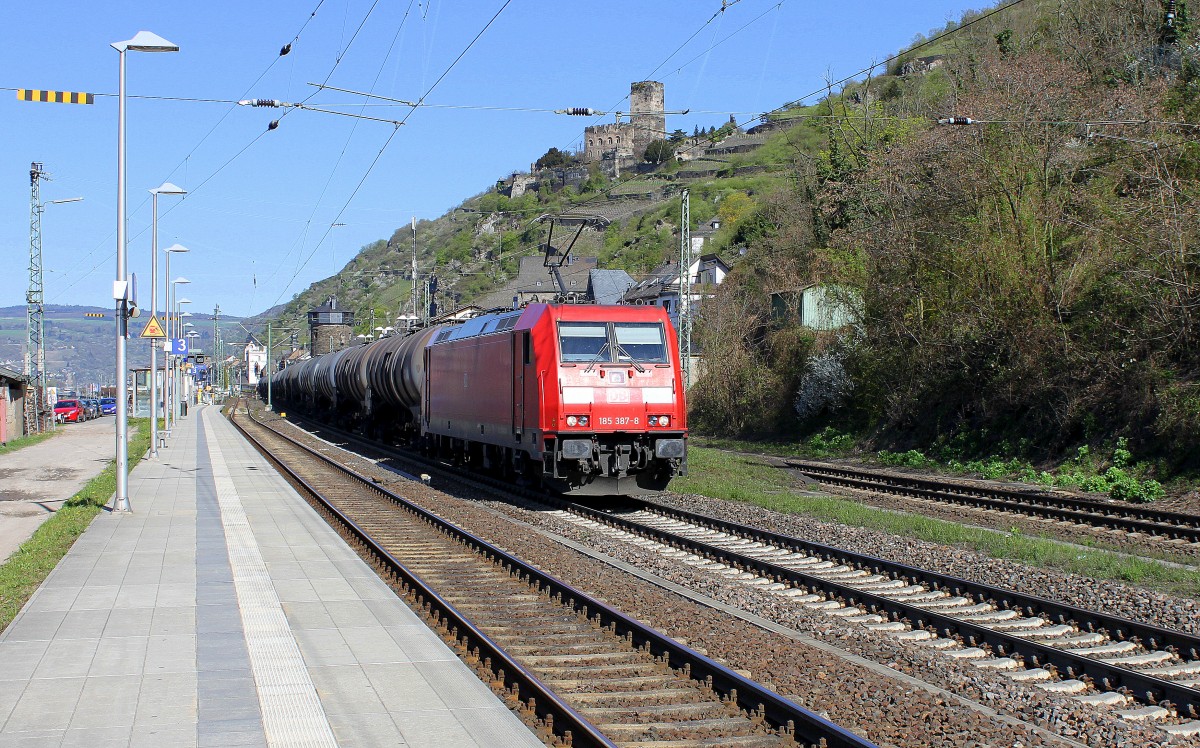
[[474, 250], [81, 350], [1026, 281]]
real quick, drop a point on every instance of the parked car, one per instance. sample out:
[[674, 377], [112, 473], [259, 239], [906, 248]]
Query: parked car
[[108, 406], [92, 406], [70, 410]]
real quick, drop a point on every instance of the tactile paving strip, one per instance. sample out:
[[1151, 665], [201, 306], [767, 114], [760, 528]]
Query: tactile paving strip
[[291, 710]]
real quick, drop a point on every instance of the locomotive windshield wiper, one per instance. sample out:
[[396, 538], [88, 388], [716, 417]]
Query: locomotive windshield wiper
[[596, 359], [622, 352]]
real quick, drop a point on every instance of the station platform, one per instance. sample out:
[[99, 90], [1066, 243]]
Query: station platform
[[223, 611]]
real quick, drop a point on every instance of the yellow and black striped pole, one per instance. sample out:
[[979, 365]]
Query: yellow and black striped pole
[[55, 97]]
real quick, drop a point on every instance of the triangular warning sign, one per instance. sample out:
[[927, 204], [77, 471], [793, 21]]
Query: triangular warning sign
[[152, 329]]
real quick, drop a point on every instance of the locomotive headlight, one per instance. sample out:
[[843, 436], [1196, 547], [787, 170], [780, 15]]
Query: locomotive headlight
[[664, 420], [572, 421], [583, 420]]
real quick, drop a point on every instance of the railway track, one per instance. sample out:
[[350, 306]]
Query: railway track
[[590, 674], [1143, 672], [1122, 517]]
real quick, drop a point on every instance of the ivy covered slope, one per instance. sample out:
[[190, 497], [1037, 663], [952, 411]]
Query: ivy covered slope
[[1026, 284]]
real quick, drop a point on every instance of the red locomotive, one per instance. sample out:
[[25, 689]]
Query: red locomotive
[[587, 399]]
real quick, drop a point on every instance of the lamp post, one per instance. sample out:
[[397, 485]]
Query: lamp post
[[169, 292], [143, 41], [172, 360], [192, 336], [189, 335], [166, 188], [179, 361], [173, 249]]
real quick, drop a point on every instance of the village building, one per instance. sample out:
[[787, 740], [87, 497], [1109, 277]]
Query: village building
[[12, 404], [254, 358], [661, 287]]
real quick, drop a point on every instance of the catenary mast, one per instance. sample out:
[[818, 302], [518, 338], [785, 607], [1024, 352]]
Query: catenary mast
[[35, 349]]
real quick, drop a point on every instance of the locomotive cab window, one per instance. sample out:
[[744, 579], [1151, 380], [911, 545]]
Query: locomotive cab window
[[620, 342], [581, 342], [640, 341]]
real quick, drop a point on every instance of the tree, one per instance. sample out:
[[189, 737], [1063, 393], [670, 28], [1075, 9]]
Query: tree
[[659, 151], [734, 207], [678, 136], [552, 158]]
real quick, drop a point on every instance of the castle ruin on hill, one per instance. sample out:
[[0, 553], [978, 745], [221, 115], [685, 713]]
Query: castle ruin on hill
[[622, 144]]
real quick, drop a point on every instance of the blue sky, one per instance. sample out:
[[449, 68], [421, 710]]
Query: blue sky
[[259, 219]]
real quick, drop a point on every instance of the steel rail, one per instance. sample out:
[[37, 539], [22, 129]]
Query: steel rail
[[548, 705], [780, 712], [1143, 687], [1077, 510]]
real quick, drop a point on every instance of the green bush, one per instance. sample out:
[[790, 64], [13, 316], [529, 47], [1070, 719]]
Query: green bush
[[912, 458], [830, 443]]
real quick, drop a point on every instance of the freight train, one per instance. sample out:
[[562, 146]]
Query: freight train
[[584, 399]]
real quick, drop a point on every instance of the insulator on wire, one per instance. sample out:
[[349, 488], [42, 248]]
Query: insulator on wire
[[286, 48], [274, 123], [577, 111], [956, 121]]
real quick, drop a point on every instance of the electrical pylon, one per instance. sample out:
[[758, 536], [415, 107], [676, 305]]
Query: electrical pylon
[[35, 348], [684, 327]]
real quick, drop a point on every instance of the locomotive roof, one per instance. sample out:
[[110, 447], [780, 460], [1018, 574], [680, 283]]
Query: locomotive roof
[[487, 324]]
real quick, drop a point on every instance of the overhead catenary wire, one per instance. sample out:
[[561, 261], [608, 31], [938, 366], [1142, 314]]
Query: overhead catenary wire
[[285, 50], [333, 170], [724, 5], [379, 155], [833, 84]]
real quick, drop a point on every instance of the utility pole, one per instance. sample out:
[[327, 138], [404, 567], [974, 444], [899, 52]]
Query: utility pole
[[685, 288], [217, 357], [35, 345], [268, 372], [414, 270]]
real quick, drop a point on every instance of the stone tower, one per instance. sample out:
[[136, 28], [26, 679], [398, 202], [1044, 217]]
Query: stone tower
[[647, 109], [329, 328], [623, 144]]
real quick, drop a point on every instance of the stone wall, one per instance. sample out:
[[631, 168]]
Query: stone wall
[[330, 338], [521, 183], [604, 139]]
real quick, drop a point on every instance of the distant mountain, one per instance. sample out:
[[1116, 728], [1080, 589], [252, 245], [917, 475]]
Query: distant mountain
[[82, 350]]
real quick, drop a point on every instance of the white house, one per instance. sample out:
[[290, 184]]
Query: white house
[[254, 356], [661, 288]]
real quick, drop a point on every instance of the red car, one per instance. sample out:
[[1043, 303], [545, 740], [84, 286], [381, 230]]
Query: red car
[[69, 410]]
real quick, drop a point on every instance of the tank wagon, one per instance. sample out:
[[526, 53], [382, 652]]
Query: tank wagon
[[586, 399]]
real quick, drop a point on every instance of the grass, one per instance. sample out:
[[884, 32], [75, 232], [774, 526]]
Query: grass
[[721, 475], [1116, 475], [12, 445], [25, 570]]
